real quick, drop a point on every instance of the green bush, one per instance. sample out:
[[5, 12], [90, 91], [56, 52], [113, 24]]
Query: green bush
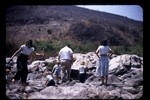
[[50, 66], [52, 48], [137, 50], [45, 46]]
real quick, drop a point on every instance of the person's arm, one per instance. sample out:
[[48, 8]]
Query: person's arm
[[37, 54], [53, 70], [34, 55], [15, 53], [97, 55], [110, 53], [59, 57], [72, 59], [97, 52], [46, 82]]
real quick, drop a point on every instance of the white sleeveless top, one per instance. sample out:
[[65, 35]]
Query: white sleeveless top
[[103, 49], [25, 50]]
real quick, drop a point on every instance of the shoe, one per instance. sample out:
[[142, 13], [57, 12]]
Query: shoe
[[63, 81], [102, 84], [27, 84], [70, 79], [106, 84], [22, 88]]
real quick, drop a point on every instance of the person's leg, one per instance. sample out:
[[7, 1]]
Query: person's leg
[[106, 64], [57, 78], [83, 77], [68, 67], [17, 76], [102, 77], [24, 77], [80, 77], [63, 72], [51, 83], [19, 71], [106, 78], [102, 70]]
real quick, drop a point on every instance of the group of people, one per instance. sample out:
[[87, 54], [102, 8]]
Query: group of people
[[63, 64]]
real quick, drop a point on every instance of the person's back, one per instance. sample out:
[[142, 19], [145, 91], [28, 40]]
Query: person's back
[[65, 56], [104, 49], [102, 53], [65, 53], [82, 72], [81, 69], [57, 69]]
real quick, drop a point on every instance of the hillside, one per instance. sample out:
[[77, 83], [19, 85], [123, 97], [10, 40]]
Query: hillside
[[69, 23]]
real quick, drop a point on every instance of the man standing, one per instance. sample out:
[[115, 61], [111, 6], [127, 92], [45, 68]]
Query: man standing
[[65, 57]]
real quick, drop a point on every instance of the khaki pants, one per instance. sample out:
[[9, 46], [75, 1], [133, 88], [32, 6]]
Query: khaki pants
[[66, 66]]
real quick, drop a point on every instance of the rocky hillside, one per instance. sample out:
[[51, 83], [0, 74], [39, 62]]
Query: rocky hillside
[[78, 25]]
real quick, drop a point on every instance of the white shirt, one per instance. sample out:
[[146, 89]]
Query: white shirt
[[65, 53], [103, 49], [81, 69], [49, 77], [25, 50]]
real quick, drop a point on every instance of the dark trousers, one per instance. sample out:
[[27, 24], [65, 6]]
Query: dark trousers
[[82, 77], [22, 70], [51, 83]]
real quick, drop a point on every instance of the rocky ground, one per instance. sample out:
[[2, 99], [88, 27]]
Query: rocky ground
[[125, 80]]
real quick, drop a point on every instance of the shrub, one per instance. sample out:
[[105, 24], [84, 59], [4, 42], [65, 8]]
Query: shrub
[[137, 50]]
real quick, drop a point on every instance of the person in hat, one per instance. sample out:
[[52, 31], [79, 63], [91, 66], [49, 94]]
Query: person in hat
[[56, 71], [82, 72]]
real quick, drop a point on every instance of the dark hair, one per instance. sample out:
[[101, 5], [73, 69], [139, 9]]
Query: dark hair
[[68, 45], [29, 43], [104, 42]]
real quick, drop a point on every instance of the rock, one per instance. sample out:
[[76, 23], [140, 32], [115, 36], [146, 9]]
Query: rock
[[113, 79], [133, 82], [28, 89], [127, 84]]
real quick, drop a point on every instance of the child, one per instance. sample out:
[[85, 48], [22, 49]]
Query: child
[[57, 71], [82, 72], [50, 81]]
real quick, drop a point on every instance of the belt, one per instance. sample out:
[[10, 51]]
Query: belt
[[103, 54], [66, 59]]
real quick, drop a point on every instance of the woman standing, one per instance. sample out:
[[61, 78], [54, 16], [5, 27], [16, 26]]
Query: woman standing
[[22, 71], [102, 53]]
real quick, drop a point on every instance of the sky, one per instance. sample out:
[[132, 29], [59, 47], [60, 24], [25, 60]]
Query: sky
[[130, 11]]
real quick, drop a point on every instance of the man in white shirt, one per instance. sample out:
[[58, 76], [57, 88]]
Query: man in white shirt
[[65, 56]]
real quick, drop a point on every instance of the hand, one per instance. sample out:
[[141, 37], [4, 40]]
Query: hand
[[11, 59]]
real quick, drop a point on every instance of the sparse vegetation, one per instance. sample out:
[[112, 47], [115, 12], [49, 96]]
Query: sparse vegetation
[[49, 31], [82, 28], [137, 50]]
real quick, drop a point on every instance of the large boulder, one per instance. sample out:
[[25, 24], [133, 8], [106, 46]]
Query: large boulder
[[121, 64]]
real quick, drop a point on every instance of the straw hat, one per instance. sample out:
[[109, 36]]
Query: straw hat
[[57, 61], [45, 73], [82, 63]]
